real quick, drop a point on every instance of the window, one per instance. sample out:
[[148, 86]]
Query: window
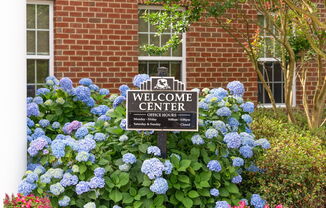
[[39, 44], [270, 66], [174, 60]]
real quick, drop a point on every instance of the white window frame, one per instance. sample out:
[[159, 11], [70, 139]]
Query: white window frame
[[49, 57], [167, 58], [272, 59]]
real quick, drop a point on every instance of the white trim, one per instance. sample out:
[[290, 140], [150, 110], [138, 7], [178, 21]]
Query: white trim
[[159, 58], [265, 59], [50, 56], [184, 60], [269, 105]]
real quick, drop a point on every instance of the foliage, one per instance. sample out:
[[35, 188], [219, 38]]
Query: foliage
[[83, 162], [294, 167], [29, 201]]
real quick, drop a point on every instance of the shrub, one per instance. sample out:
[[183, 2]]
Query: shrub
[[294, 167], [80, 153], [26, 201]]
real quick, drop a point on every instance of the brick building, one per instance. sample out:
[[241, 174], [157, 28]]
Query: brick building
[[100, 39]]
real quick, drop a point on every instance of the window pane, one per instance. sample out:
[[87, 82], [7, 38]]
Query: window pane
[[30, 42], [43, 42], [164, 39], [42, 70], [30, 71], [268, 71], [260, 93], [277, 72], [267, 100], [269, 47], [142, 67], [42, 16], [142, 25], [177, 51], [143, 39], [278, 93], [153, 68], [30, 20], [155, 40], [152, 27], [30, 90], [176, 70]]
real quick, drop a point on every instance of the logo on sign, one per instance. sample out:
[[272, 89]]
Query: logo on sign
[[162, 104]]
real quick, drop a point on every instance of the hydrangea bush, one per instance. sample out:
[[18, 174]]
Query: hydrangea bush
[[81, 155]]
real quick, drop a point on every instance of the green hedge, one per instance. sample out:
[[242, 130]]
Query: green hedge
[[294, 171]]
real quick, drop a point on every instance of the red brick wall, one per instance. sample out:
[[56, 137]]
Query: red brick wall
[[98, 39]]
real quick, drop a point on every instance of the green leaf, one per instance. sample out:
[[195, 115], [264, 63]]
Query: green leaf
[[127, 199], [204, 192], [187, 202], [132, 191], [143, 148], [40, 191], [143, 191], [224, 192], [184, 164], [82, 168], [92, 195], [124, 178], [183, 178], [196, 165], [205, 175], [204, 184], [232, 188], [115, 195], [179, 195], [137, 204], [193, 194], [158, 200], [194, 152]]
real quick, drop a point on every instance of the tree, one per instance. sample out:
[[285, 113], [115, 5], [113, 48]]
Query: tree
[[291, 23]]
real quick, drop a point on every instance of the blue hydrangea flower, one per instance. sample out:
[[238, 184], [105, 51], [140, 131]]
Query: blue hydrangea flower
[[99, 137], [123, 124], [42, 91], [116, 206], [219, 92], [69, 180], [220, 125], [222, 204], [85, 81], [211, 133], [55, 125], [123, 138], [154, 150], [82, 187], [214, 192], [233, 140], [214, 165], [203, 105], [224, 111], [247, 118], [160, 186], [44, 123], [39, 169], [83, 93], [81, 132], [100, 110], [104, 118], [196, 139], [90, 205], [168, 167], [66, 84], [123, 90], [237, 179], [104, 91], [221, 104], [57, 189], [118, 100], [129, 158], [30, 122], [29, 131], [53, 79], [248, 107], [86, 144], [29, 100], [38, 132], [246, 151], [58, 148], [124, 167], [153, 168], [233, 122], [236, 88], [94, 87], [210, 98], [31, 177], [38, 100], [253, 168], [235, 108], [36, 145], [99, 172], [26, 188], [46, 178], [247, 139], [64, 201], [96, 182], [138, 79], [32, 110], [264, 143], [257, 201], [237, 162], [82, 156]]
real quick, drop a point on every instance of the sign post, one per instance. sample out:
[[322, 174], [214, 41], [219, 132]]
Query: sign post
[[162, 104]]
